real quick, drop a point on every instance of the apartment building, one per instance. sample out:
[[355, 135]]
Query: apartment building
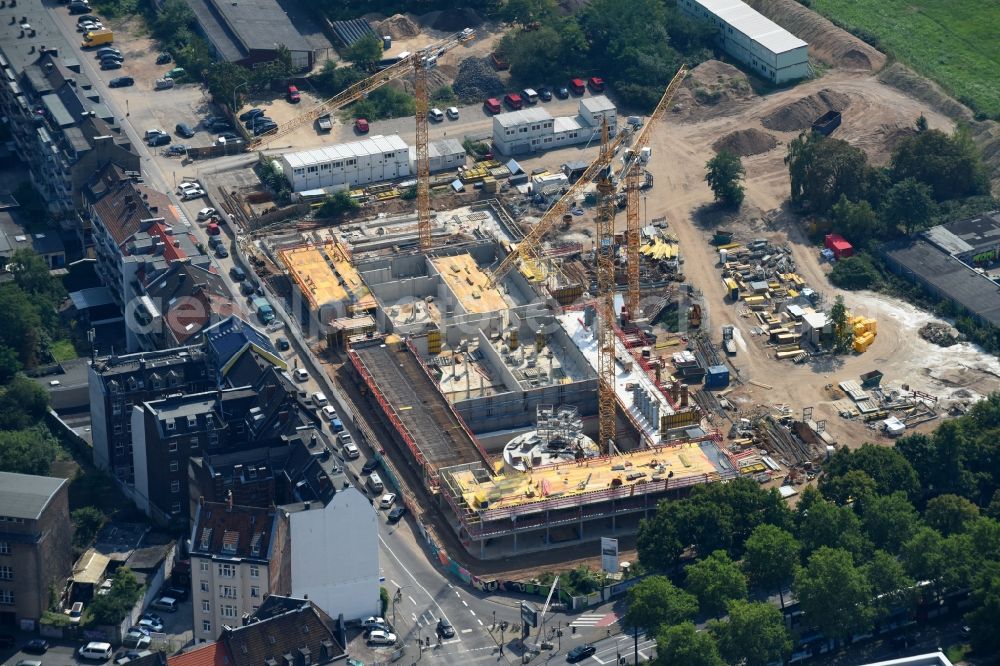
[[239, 554], [35, 545]]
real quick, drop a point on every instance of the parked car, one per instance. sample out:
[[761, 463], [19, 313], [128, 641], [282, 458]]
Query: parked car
[[188, 185], [282, 344], [352, 451], [545, 94], [117, 57], [76, 612], [373, 622], [152, 616], [227, 135], [247, 288], [155, 627], [264, 129], [370, 466], [513, 101], [196, 193], [104, 50], [237, 274], [93, 18], [580, 652], [136, 640], [158, 140], [397, 514], [293, 95], [184, 130], [121, 82], [95, 651], [105, 587], [164, 84], [36, 646], [380, 637], [452, 112], [436, 114], [387, 501], [176, 149], [214, 242], [213, 230], [300, 375], [596, 84], [164, 58], [361, 125], [251, 114], [78, 8], [562, 92], [329, 412], [206, 213], [168, 604], [175, 73], [110, 64], [221, 252], [492, 105]]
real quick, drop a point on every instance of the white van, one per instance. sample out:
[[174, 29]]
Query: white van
[[374, 483], [436, 115], [96, 651], [320, 399], [168, 604], [300, 375]]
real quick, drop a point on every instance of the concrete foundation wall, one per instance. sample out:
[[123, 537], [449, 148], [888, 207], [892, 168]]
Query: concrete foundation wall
[[517, 409]]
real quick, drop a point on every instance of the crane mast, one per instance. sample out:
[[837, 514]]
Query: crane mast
[[605, 254], [423, 158]]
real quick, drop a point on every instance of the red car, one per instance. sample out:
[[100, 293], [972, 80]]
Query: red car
[[578, 86], [213, 229], [293, 95], [492, 105], [514, 101], [597, 84], [361, 126]]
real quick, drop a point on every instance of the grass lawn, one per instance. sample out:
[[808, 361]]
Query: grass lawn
[[954, 42], [63, 350]]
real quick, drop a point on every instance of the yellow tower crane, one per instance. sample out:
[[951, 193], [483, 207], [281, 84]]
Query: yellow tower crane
[[604, 251]]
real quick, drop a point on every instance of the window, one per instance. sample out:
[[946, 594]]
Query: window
[[204, 567], [4, 548], [6, 598], [206, 626], [175, 486], [174, 465], [172, 447], [227, 570], [227, 591], [254, 571], [254, 591], [228, 611], [204, 586], [206, 606], [7, 573], [175, 508]]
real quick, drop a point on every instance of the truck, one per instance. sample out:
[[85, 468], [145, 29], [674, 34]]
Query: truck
[[827, 123], [323, 123], [264, 310], [578, 86], [97, 37]]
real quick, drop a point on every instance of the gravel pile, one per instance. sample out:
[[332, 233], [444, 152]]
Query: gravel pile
[[477, 81]]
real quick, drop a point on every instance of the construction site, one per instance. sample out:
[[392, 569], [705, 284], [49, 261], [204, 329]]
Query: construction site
[[556, 347]]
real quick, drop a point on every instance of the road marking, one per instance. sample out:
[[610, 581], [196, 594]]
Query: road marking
[[457, 594], [414, 579], [395, 584], [473, 612], [588, 620], [414, 616], [479, 621], [466, 631], [454, 640], [465, 603], [412, 600], [451, 586]]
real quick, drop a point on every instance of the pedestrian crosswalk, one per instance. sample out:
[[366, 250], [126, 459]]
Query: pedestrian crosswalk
[[588, 620]]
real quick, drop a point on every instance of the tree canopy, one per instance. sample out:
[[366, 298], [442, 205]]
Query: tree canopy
[[724, 174], [684, 644], [753, 634], [834, 593], [771, 557], [657, 602], [112, 607], [715, 581]]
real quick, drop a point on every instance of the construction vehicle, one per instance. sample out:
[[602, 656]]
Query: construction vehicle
[[694, 316], [728, 342]]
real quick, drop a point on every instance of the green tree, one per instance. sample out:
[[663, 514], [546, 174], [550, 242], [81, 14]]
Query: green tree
[[364, 53], [921, 123], [842, 332], [834, 594], [336, 204], [771, 557], [754, 634], [23, 403], [856, 272], [10, 365], [949, 514], [823, 169], [527, 12], [684, 644], [923, 554], [385, 102], [658, 542], [854, 487], [331, 79], [857, 221], [28, 451], [112, 607], [715, 581], [87, 522], [832, 526], [908, 203], [889, 521], [22, 331], [724, 174], [891, 587], [950, 165], [982, 618], [656, 602], [887, 466]]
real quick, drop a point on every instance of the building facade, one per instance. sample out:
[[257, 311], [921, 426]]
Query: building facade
[[35, 546], [534, 129], [345, 165], [239, 554], [765, 47]]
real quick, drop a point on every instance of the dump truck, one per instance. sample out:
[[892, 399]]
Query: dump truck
[[97, 37], [827, 123]]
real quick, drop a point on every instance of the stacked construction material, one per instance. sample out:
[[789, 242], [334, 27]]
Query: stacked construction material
[[864, 330]]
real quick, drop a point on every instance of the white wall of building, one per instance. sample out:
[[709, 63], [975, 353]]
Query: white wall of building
[[533, 130], [373, 160], [139, 464], [335, 555]]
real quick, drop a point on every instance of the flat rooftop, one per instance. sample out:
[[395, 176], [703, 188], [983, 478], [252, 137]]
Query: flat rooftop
[[961, 236], [628, 372], [421, 409], [260, 24], [325, 276], [565, 480], [469, 284], [753, 24]]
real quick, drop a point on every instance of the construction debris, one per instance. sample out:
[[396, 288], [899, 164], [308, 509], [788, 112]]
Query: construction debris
[[940, 334]]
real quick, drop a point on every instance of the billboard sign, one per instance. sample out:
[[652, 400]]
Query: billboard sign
[[609, 555], [529, 614]]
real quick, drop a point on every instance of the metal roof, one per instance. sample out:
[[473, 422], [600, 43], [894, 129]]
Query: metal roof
[[260, 24], [566, 124], [596, 104], [26, 495], [753, 24], [522, 117], [375, 145]]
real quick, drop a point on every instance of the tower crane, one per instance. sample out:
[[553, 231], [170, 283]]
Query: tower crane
[[415, 63], [631, 180], [604, 251]]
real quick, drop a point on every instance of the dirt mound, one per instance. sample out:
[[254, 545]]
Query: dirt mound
[[746, 142], [398, 26], [905, 79], [827, 42], [712, 88], [452, 20], [476, 81], [799, 115]]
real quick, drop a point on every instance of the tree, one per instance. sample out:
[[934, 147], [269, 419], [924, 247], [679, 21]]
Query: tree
[[986, 609], [331, 79], [907, 203], [87, 522], [112, 607], [336, 204], [10, 365], [950, 165], [891, 587], [923, 554], [841, 330], [855, 272], [658, 542], [29, 451], [23, 402], [834, 594], [364, 53], [656, 602], [921, 123], [724, 174], [949, 514], [824, 169], [754, 634], [527, 12], [770, 558], [854, 487], [715, 581], [826, 524], [22, 330], [857, 221], [684, 644], [887, 466], [889, 521]]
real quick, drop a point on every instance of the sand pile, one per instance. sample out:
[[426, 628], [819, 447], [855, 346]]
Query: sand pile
[[799, 115], [827, 42], [712, 89], [746, 142], [398, 26]]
